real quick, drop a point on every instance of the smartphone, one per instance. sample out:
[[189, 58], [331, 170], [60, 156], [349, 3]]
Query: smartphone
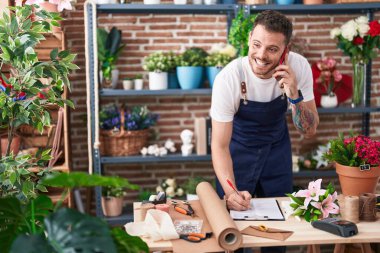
[[282, 58]]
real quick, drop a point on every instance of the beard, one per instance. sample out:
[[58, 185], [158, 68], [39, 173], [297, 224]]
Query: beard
[[264, 73]]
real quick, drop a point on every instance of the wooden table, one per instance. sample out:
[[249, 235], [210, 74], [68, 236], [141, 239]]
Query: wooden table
[[304, 234]]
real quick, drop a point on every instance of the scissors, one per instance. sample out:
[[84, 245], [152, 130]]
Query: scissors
[[196, 237], [189, 211]]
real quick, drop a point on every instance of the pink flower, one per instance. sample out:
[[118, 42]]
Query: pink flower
[[62, 4], [312, 193], [30, 2], [337, 76], [327, 206]]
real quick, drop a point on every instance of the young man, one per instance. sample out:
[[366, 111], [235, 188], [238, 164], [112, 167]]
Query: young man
[[250, 139]]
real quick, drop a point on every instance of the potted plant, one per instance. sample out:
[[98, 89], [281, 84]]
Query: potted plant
[[157, 65], [172, 73], [112, 200], [109, 49], [238, 35], [357, 160], [330, 86], [217, 60], [170, 187], [128, 83], [139, 82], [190, 68], [190, 187], [126, 130], [24, 97]]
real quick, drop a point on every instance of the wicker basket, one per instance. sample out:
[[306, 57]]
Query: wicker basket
[[122, 143]]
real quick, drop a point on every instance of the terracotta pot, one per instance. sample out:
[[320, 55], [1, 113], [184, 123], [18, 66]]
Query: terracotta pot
[[112, 206], [15, 146], [353, 181]]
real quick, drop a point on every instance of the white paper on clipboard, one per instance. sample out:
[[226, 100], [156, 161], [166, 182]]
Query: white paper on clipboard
[[261, 209]]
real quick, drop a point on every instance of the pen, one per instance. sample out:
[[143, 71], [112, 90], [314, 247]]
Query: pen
[[232, 186]]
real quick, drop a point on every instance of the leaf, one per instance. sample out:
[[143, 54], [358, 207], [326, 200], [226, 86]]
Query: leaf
[[31, 244], [54, 54], [126, 243], [69, 103], [295, 199], [81, 179], [71, 231]]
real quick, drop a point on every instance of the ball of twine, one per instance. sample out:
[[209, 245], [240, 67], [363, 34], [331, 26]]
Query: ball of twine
[[351, 209], [367, 207]]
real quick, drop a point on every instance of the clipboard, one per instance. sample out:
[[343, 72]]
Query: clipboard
[[261, 209]]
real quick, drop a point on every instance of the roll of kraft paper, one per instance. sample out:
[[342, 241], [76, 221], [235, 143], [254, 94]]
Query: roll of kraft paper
[[224, 228]]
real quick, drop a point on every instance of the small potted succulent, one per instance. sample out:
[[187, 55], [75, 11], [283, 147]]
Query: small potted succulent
[[190, 68], [158, 67], [112, 200], [109, 49], [128, 83], [190, 187], [138, 82]]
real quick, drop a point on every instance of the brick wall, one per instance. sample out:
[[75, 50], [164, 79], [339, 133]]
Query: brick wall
[[144, 34]]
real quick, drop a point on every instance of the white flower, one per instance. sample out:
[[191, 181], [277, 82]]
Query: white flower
[[163, 151], [335, 32], [349, 30], [144, 151], [62, 4], [169, 144], [362, 20], [152, 149], [173, 149], [179, 192], [363, 29], [322, 149], [159, 189], [229, 50], [216, 48], [171, 182], [170, 191]]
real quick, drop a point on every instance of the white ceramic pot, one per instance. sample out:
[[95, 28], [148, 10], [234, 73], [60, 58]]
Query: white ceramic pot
[[180, 1], [158, 81], [139, 83], [151, 1], [329, 101], [128, 84], [115, 78], [197, 2], [209, 2], [102, 1]]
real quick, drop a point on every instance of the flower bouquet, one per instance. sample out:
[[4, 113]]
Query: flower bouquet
[[328, 81], [358, 39], [169, 186], [314, 203]]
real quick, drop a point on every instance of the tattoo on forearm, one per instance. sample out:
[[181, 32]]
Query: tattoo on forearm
[[303, 118]]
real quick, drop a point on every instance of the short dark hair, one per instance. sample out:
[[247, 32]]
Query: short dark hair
[[274, 21]]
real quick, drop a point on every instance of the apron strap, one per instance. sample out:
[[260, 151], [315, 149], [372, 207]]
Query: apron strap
[[243, 85]]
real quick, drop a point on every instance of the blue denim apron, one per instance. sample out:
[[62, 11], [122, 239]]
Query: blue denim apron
[[260, 147]]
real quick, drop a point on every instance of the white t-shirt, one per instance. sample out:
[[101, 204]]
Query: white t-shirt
[[226, 93]]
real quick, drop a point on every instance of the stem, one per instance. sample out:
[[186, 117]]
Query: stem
[[61, 199], [10, 138], [32, 218]]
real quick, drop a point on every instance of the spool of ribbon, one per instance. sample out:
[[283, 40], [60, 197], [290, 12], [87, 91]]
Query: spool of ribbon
[[351, 208], [367, 207]]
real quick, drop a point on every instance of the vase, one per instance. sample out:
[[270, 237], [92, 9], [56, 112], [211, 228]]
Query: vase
[[359, 85], [112, 206], [329, 101], [355, 181]]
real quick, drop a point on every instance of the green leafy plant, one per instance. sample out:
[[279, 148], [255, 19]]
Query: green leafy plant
[[24, 97], [239, 31], [194, 56], [109, 49], [218, 60], [116, 192], [138, 76], [38, 225], [354, 151], [191, 184], [159, 62]]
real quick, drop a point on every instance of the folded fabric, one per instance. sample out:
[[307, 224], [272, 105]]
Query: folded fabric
[[157, 225], [271, 233]]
